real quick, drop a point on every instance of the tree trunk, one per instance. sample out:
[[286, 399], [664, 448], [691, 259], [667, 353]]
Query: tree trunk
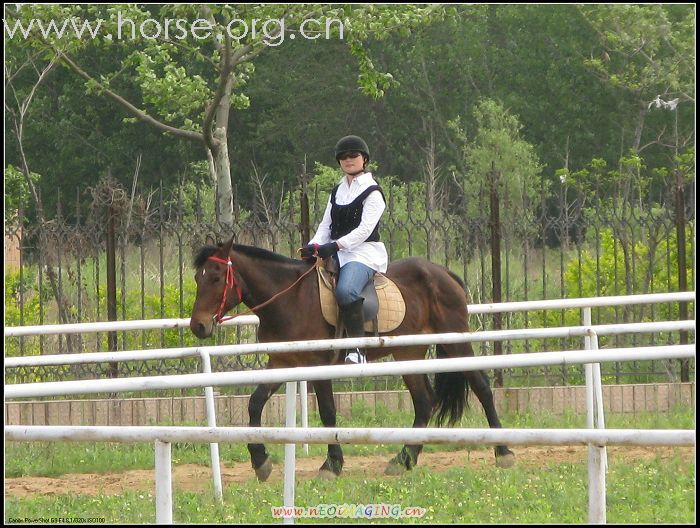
[[220, 167], [639, 128], [220, 164]]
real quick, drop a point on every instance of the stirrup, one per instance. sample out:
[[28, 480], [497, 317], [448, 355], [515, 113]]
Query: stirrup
[[355, 357]]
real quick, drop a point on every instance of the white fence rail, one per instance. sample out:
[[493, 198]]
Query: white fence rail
[[423, 366], [359, 435], [340, 344], [581, 302], [114, 326], [473, 309], [597, 460]]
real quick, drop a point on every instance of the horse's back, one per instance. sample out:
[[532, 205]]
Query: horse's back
[[420, 279], [411, 269], [435, 297]]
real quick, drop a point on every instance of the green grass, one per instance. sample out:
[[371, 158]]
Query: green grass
[[640, 492]]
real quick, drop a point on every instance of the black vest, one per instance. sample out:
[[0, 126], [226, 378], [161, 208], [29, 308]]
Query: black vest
[[345, 218]]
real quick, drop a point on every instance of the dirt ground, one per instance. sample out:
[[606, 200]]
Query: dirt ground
[[191, 477]]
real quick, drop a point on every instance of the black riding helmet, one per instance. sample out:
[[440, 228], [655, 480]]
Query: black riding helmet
[[352, 144]]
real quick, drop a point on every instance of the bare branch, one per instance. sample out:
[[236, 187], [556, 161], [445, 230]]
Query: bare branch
[[30, 60], [133, 193], [657, 141], [260, 188]]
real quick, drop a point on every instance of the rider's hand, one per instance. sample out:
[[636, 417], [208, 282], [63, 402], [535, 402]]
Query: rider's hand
[[326, 250], [309, 252]]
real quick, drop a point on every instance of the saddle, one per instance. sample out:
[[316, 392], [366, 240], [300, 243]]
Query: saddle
[[384, 308]]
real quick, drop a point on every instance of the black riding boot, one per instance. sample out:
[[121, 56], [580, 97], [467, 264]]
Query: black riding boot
[[355, 327]]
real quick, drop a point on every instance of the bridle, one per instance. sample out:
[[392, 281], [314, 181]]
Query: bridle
[[232, 283]]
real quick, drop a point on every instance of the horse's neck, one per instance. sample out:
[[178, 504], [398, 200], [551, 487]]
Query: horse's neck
[[262, 278]]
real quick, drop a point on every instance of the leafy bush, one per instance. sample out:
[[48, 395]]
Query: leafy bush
[[603, 275]]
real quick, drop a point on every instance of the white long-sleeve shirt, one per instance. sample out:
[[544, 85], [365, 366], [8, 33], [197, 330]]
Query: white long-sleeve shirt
[[353, 247]]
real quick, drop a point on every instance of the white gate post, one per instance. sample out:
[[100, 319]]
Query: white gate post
[[164, 483]]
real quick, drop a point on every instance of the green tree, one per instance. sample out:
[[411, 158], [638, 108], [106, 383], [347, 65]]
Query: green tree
[[498, 145], [648, 51], [189, 86], [17, 194]]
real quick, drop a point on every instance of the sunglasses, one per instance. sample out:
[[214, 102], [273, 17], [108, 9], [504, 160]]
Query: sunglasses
[[349, 155]]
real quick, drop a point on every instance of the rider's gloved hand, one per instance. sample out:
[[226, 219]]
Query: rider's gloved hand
[[309, 252], [326, 250]]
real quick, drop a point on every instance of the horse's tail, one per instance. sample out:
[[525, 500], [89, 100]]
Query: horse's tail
[[451, 388], [452, 391]]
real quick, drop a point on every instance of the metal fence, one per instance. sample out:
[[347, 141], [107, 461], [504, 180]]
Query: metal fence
[[146, 241]]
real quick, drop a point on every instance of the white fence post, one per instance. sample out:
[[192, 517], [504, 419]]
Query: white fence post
[[597, 459], [290, 451], [164, 483], [211, 422], [304, 397]]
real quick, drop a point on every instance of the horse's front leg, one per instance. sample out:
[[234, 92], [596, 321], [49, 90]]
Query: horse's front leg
[[333, 465], [422, 396], [258, 455]]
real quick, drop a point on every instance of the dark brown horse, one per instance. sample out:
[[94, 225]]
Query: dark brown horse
[[435, 303]]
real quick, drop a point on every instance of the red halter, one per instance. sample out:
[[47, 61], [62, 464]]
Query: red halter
[[230, 283]]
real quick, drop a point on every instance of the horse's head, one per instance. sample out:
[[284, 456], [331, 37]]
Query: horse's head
[[218, 289]]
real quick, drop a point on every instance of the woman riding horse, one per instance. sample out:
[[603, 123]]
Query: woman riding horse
[[349, 233], [436, 302]]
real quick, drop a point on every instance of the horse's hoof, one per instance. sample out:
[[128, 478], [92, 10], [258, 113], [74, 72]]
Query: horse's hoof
[[394, 470], [505, 461], [325, 474], [263, 472]]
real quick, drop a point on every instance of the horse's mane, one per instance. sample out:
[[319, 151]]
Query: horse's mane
[[264, 254], [249, 251]]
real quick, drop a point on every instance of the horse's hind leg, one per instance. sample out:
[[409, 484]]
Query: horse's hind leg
[[456, 395], [422, 396], [333, 465], [479, 383], [258, 454]]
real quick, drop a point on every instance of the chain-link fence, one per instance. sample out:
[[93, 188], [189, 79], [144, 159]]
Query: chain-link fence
[[128, 256]]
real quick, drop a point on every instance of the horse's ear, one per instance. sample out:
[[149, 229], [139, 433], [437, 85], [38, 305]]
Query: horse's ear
[[229, 245], [210, 240]]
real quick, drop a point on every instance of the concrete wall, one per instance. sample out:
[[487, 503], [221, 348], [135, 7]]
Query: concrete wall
[[233, 410]]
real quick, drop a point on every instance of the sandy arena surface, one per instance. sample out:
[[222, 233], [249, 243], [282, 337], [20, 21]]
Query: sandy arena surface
[[192, 477]]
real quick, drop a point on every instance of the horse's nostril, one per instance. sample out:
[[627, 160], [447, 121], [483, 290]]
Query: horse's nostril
[[199, 329]]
